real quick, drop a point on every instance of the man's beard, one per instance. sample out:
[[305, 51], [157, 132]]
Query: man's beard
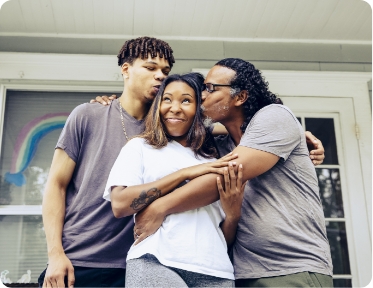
[[207, 122]]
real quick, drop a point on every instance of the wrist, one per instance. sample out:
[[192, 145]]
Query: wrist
[[161, 208], [55, 252], [184, 174], [232, 219]]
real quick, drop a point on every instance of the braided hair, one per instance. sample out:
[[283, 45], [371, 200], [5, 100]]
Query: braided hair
[[141, 47], [250, 79]]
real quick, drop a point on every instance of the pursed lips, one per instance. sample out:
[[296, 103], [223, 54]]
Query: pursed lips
[[156, 87]]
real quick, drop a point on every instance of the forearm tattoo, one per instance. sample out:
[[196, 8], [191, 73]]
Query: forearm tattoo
[[145, 198]]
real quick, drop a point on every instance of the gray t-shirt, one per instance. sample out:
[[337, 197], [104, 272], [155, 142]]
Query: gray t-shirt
[[282, 227], [93, 137]]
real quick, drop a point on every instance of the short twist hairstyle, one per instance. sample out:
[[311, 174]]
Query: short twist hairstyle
[[141, 47], [250, 79]]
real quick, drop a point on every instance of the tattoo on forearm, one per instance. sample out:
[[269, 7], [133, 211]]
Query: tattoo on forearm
[[145, 198]]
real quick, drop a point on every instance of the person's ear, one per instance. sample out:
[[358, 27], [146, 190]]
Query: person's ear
[[241, 97], [124, 69]]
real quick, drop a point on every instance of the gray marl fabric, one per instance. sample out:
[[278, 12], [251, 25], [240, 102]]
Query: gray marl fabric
[[282, 227], [93, 137], [146, 271]]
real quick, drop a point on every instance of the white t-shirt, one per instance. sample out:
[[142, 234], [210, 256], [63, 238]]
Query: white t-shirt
[[191, 240]]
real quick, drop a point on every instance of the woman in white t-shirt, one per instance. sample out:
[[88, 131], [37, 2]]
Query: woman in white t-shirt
[[189, 249]]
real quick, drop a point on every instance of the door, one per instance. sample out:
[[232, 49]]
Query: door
[[344, 200]]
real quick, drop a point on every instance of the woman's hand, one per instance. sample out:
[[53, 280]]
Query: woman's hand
[[147, 222], [104, 100], [315, 148], [210, 167], [231, 195], [231, 200]]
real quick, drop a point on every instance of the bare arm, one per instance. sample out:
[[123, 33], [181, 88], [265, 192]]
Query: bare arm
[[191, 196], [126, 201], [54, 198]]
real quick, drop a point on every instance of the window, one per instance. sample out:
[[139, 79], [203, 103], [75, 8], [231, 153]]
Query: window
[[329, 177], [32, 124]]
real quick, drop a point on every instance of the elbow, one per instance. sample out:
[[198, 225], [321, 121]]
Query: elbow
[[117, 212], [119, 206]]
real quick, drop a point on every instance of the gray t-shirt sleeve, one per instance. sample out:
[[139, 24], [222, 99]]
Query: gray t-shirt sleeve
[[70, 139], [273, 129]]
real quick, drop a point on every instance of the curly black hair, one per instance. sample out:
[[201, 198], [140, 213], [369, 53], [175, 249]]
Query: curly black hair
[[141, 47], [250, 79]]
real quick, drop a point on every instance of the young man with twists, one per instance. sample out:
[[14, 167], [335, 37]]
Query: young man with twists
[[87, 245]]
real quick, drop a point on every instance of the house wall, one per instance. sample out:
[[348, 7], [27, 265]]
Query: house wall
[[204, 54]]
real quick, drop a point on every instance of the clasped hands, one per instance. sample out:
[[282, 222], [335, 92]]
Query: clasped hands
[[150, 219]]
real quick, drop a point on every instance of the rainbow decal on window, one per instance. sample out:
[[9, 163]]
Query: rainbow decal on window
[[27, 143]]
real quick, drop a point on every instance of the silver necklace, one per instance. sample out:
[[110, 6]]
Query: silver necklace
[[121, 118]]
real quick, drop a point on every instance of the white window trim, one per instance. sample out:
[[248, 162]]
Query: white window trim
[[88, 73], [20, 210]]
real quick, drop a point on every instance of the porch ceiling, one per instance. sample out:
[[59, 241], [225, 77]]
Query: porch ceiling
[[312, 21]]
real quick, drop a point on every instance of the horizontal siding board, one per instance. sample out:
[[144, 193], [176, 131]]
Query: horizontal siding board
[[206, 50], [298, 52]]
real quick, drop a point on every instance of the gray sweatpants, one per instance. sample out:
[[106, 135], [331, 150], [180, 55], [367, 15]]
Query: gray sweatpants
[[147, 271]]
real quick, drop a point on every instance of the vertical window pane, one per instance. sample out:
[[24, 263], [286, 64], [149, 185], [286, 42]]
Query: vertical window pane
[[330, 192], [32, 124], [323, 129], [23, 247], [336, 232], [342, 282]]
